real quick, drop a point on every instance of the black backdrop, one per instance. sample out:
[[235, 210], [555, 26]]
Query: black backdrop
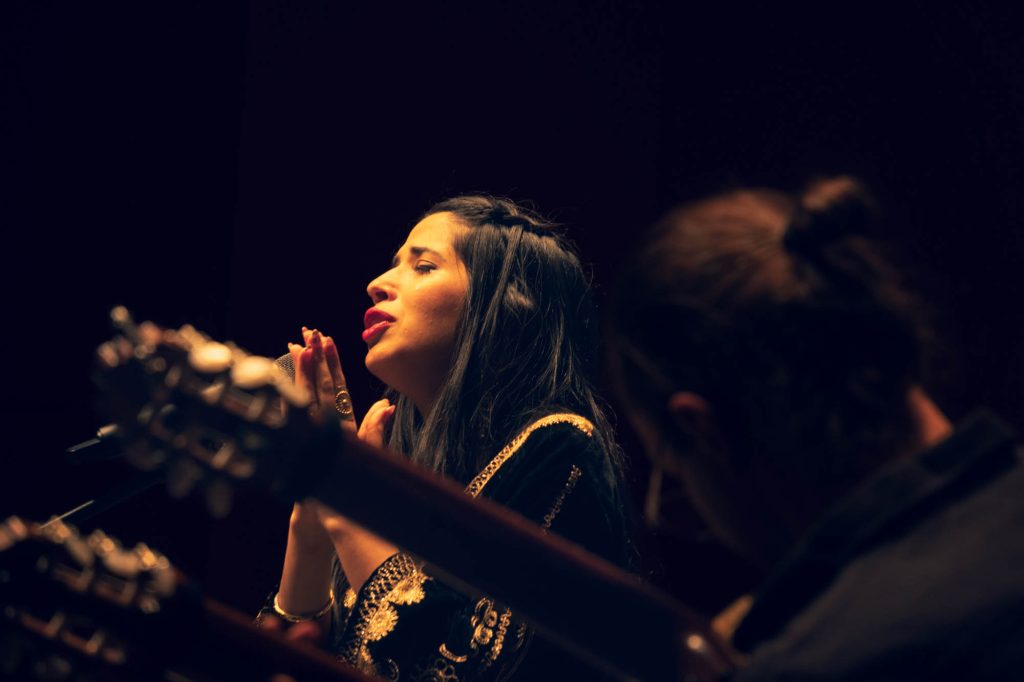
[[249, 167]]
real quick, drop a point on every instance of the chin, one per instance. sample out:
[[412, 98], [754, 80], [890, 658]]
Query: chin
[[382, 365], [374, 362]]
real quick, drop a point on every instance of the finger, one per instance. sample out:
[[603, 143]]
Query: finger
[[371, 413], [270, 622], [334, 362], [323, 381], [306, 333], [295, 350], [305, 373], [372, 429], [308, 632]]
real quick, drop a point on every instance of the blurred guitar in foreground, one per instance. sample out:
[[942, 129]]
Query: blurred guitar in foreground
[[85, 608], [215, 417]]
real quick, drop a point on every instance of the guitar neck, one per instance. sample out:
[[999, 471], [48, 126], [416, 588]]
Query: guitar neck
[[578, 600]]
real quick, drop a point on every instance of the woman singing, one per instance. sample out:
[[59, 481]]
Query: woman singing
[[484, 332]]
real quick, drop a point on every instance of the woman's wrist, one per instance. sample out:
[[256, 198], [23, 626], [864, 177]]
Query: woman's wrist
[[293, 617]]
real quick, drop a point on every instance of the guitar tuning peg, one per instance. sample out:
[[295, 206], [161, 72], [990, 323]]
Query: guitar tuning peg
[[182, 478], [148, 559], [120, 316], [150, 334], [214, 392], [163, 580], [56, 530], [219, 498], [210, 358], [253, 372], [191, 336], [107, 355], [122, 563], [12, 531], [101, 543]]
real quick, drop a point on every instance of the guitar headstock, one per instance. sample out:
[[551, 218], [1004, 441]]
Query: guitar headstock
[[73, 600], [209, 413]]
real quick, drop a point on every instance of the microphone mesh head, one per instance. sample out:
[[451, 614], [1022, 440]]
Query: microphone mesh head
[[285, 364]]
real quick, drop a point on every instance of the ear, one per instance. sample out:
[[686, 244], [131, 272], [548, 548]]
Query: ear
[[694, 420], [691, 414]]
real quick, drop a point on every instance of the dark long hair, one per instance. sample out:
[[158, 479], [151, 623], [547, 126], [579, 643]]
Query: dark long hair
[[526, 344], [781, 313]]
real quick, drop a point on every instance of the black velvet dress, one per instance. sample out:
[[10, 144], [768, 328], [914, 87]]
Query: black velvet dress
[[405, 624]]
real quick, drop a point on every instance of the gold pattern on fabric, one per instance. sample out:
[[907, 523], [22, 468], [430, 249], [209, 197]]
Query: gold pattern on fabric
[[454, 658], [409, 590], [349, 600], [397, 581], [574, 475], [483, 621], [499, 637], [438, 671], [487, 473], [380, 623], [392, 670]]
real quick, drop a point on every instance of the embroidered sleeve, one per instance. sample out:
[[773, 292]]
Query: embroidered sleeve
[[407, 626], [396, 582]]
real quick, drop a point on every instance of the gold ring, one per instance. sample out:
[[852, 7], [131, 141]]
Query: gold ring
[[343, 402]]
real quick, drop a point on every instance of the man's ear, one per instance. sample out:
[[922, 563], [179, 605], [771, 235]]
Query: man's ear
[[696, 423], [691, 414]]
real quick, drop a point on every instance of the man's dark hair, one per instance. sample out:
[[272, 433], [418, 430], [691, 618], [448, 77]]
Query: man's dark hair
[[780, 313]]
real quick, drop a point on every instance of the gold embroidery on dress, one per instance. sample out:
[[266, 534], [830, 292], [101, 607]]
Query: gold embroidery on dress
[[445, 652], [409, 590], [380, 623], [483, 621], [499, 638], [349, 600], [398, 581], [485, 475], [438, 671], [364, 661], [574, 475], [393, 672], [490, 629]]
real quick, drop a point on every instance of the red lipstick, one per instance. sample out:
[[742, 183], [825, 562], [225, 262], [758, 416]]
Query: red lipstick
[[376, 322]]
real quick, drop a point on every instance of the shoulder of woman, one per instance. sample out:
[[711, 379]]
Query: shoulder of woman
[[552, 441]]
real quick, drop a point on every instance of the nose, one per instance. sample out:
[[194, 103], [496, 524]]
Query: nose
[[380, 289]]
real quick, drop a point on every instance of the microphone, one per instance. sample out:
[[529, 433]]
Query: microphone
[[286, 364]]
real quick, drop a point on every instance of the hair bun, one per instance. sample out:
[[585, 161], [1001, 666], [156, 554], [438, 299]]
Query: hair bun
[[828, 210]]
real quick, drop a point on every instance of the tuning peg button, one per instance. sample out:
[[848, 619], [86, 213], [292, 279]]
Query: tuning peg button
[[253, 372], [210, 358], [122, 563]]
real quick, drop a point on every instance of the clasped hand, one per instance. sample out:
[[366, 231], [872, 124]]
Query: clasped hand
[[318, 370]]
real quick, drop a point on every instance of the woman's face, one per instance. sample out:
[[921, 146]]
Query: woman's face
[[417, 304]]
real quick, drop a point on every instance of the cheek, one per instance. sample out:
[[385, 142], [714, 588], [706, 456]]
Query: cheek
[[439, 314]]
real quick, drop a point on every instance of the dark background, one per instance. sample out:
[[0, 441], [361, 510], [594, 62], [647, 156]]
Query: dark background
[[248, 168]]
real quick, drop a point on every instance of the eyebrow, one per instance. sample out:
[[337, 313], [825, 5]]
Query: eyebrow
[[417, 251]]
